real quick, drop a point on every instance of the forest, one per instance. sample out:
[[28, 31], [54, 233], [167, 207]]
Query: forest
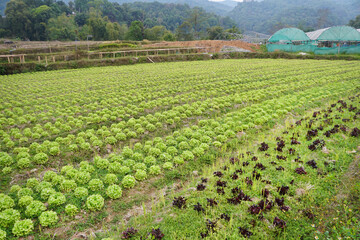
[[104, 20]]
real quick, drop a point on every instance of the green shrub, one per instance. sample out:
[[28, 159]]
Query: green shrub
[[48, 218], [113, 191], [71, 210], [95, 202], [23, 228], [128, 181], [42, 185], [140, 166], [34, 209]]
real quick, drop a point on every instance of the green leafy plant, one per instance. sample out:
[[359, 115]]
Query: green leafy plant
[[95, 202], [34, 209], [113, 191], [23, 228], [71, 210], [48, 218], [128, 181]]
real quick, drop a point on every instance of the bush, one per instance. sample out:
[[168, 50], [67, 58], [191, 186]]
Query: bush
[[96, 185], [8, 217], [113, 191], [48, 218], [155, 170], [128, 181], [110, 179], [34, 209], [56, 199], [71, 210], [41, 158], [81, 192], [23, 228], [95, 202], [25, 201]]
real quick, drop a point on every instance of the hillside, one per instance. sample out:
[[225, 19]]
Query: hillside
[[270, 15]]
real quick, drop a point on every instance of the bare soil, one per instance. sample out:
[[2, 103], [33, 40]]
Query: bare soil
[[215, 45]]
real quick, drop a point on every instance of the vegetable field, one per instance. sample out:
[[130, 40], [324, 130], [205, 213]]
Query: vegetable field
[[75, 144]]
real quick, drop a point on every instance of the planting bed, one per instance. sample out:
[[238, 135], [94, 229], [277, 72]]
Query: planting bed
[[75, 142]]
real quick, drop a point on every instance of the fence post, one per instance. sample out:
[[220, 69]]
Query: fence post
[[39, 59], [46, 60]]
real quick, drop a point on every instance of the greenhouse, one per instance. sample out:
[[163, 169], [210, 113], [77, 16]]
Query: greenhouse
[[333, 40]]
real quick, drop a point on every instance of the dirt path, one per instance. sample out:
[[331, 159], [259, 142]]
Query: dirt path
[[216, 45]]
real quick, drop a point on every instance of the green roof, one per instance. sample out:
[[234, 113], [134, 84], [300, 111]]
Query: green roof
[[340, 33], [289, 34]]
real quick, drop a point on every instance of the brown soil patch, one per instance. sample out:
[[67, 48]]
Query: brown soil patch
[[214, 45]]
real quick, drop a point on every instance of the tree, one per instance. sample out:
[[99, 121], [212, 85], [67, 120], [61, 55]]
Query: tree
[[185, 32], [155, 33], [61, 28], [97, 25], [18, 19], [169, 36], [355, 23], [40, 17], [196, 19], [136, 31], [216, 33]]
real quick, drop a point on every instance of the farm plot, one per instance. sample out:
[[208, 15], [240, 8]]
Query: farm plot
[[72, 140]]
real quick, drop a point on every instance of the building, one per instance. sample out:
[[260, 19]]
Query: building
[[332, 40]]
